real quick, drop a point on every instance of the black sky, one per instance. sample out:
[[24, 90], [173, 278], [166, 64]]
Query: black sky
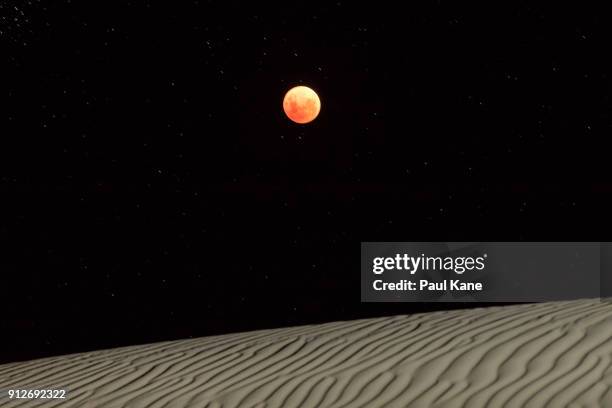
[[152, 188]]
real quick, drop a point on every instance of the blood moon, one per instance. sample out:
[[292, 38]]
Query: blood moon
[[302, 104]]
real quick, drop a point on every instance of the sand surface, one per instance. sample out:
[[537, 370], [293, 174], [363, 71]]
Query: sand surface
[[544, 355]]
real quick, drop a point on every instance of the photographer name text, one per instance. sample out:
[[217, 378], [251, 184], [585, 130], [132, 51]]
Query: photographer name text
[[451, 285]]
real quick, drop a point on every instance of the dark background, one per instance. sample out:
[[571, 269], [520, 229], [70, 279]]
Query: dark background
[[152, 188]]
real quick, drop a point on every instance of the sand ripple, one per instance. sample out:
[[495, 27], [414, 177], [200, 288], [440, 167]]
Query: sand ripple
[[545, 355]]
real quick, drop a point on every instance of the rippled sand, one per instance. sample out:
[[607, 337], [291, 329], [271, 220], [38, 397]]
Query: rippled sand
[[544, 355]]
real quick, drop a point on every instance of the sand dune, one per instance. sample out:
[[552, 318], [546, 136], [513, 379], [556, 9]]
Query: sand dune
[[545, 355]]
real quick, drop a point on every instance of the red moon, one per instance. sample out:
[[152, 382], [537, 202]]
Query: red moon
[[302, 104]]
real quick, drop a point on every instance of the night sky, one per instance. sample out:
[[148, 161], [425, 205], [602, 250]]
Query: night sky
[[152, 188]]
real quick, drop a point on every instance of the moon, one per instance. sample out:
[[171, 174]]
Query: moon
[[301, 104]]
